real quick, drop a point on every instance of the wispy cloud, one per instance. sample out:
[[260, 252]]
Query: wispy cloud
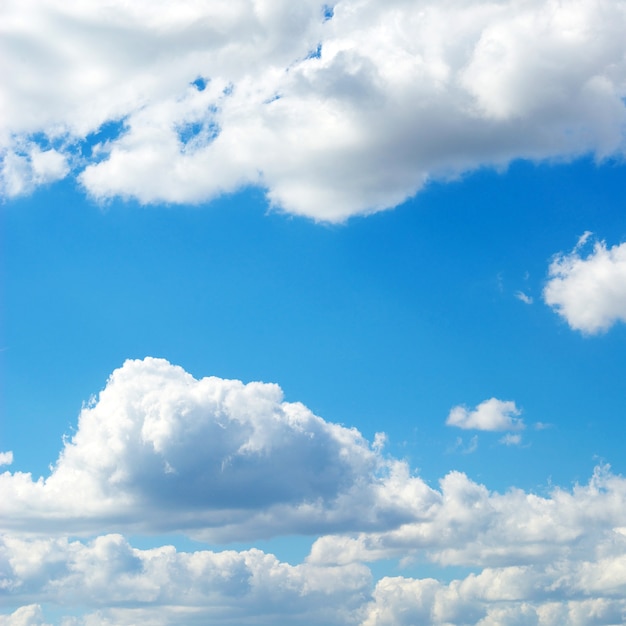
[[526, 299]]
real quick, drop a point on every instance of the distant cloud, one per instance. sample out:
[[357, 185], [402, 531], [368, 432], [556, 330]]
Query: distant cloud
[[511, 439], [491, 415], [520, 295], [171, 102], [6, 458], [589, 292]]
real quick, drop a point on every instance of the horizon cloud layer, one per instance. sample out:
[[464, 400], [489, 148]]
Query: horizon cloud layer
[[160, 451]]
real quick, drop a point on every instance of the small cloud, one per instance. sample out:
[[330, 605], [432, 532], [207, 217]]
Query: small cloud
[[490, 415], [380, 439], [542, 425], [589, 292], [520, 295], [511, 439], [6, 458], [582, 240]]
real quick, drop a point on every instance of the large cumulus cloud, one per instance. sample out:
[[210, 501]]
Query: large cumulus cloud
[[334, 110], [159, 450]]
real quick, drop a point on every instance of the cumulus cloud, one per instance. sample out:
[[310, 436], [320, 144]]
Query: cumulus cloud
[[470, 526], [510, 596], [332, 117], [492, 415], [159, 450], [589, 292], [123, 585], [558, 560]]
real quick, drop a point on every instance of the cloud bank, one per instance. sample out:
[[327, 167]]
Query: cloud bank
[[161, 451], [334, 110], [589, 292]]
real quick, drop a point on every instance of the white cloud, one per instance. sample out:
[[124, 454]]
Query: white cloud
[[511, 439], [29, 615], [123, 585], [526, 299], [492, 414], [6, 458], [400, 93], [503, 597], [469, 526], [160, 450], [589, 292], [21, 171], [558, 560]]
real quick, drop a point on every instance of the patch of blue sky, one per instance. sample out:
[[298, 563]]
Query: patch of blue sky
[[274, 98], [107, 133], [328, 12], [315, 54], [200, 83], [197, 134]]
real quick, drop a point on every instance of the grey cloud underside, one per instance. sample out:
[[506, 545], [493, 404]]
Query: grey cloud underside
[[394, 94]]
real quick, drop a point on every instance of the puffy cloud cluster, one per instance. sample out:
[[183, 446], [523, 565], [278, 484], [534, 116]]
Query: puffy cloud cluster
[[124, 585], [469, 526], [589, 292], [334, 109], [561, 594], [160, 451]]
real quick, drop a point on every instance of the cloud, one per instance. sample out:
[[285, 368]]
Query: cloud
[[511, 439], [472, 527], [589, 292], [526, 299], [510, 596], [161, 451], [554, 560], [6, 458], [492, 415], [123, 585], [332, 117]]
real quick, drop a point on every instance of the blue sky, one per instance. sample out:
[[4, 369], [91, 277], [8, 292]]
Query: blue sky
[[418, 246]]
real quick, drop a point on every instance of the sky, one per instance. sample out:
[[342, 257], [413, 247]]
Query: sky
[[313, 313]]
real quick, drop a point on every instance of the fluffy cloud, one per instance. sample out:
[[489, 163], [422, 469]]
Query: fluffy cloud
[[123, 585], [589, 292], [492, 414], [160, 451], [334, 111], [553, 596], [469, 526]]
